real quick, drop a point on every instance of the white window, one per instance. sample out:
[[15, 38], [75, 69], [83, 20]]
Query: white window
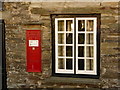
[[64, 45], [76, 46], [86, 46]]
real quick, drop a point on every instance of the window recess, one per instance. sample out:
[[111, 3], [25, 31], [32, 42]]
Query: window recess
[[76, 46]]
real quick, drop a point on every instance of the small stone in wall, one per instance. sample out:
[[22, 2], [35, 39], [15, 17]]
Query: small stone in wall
[[103, 71], [39, 83]]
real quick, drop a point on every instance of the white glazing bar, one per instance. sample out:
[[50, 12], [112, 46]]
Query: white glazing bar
[[69, 32], [65, 57], [69, 44], [95, 43], [81, 45], [73, 44], [81, 31], [60, 31], [61, 44], [65, 44], [90, 32], [56, 46], [65, 41], [81, 57], [89, 44], [76, 46], [85, 45]]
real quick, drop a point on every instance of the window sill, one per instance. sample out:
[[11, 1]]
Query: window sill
[[72, 80]]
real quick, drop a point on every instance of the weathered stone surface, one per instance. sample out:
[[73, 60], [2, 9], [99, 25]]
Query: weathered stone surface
[[39, 11], [107, 48], [81, 4], [103, 10], [109, 4], [23, 16]]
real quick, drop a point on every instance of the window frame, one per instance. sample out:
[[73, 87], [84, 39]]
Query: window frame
[[85, 45], [75, 16], [3, 54], [56, 48]]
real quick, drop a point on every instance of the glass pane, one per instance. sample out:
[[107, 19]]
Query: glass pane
[[61, 25], [61, 63], [81, 38], [89, 64], [69, 51], [89, 25], [69, 38], [80, 64], [61, 38], [69, 25], [80, 51], [89, 38], [60, 50], [89, 51], [81, 25], [69, 64]]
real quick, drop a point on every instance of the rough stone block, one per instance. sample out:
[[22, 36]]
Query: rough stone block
[[113, 75], [46, 55], [109, 4], [40, 11], [82, 4]]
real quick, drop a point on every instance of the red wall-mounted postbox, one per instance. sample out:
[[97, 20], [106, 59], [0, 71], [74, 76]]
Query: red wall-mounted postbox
[[33, 44]]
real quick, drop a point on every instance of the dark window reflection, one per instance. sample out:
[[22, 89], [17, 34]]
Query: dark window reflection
[[81, 51], [69, 38], [60, 50], [81, 25], [68, 63], [90, 25], [81, 38], [89, 51], [69, 25], [89, 64], [69, 51], [61, 25], [60, 38], [61, 63], [89, 38], [80, 64]]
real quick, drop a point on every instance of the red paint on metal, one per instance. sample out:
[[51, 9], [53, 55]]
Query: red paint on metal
[[33, 52]]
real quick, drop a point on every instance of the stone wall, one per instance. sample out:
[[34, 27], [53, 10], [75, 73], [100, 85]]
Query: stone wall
[[22, 16], [60, 0]]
